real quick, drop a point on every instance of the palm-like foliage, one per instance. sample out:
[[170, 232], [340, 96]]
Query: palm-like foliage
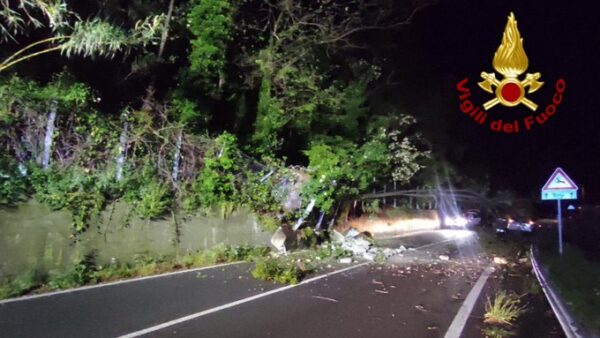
[[17, 16], [94, 37]]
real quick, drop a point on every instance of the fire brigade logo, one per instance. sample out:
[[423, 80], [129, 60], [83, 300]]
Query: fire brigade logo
[[511, 61]]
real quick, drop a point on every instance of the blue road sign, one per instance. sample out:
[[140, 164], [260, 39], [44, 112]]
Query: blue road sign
[[559, 187], [570, 194]]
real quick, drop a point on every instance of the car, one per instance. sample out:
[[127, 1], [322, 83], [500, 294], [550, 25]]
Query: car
[[521, 225], [473, 217], [504, 225]]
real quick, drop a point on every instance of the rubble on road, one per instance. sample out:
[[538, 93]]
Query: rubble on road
[[360, 244], [500, 260]]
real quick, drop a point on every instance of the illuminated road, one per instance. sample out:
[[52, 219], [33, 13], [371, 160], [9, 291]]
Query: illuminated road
[[416, 295]]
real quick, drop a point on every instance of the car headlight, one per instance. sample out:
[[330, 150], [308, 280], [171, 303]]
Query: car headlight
[[456, 221]]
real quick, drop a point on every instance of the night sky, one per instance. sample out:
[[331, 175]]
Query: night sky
[[457, 39]]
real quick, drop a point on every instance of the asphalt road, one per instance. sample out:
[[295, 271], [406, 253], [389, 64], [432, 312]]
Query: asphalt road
[[415, 295]]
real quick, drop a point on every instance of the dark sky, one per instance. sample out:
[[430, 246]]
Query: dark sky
[[457, 39]]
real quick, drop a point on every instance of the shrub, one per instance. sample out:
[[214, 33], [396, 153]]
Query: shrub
[[505, 309], [155, 199], [19, 286], [82, 273], [279, 270]]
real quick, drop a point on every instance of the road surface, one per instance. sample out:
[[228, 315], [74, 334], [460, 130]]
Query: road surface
[[416, 295]]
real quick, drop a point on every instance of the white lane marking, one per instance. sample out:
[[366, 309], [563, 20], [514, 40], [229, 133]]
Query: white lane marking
[[232, 304], [466, 308], [83, 288]]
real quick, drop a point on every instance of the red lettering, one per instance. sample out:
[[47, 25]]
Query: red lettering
[[551, 109], [557, 98], [543, 116], [496, 125], [528, 122], [560, 86], [466, 106], [461, 88]]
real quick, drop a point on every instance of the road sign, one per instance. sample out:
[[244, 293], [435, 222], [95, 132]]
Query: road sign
[[559, 187], [559, 195]]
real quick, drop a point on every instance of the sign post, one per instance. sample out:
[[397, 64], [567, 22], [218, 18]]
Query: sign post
[[559, 187]]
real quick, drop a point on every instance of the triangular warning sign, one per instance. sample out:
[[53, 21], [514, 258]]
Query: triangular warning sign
[[560, 181]]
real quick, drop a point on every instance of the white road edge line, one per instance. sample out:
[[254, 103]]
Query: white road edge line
[[458, 324], [232, 304], [83, 288], [131, 280]]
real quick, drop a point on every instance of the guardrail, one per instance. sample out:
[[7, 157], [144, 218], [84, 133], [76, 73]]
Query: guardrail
[[566, 321]]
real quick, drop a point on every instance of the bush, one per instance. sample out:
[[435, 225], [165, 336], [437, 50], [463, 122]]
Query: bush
[[279, 270], [83, 193], [82, 273], [22, 285], [155, 199], [13, 186], [217, 183]]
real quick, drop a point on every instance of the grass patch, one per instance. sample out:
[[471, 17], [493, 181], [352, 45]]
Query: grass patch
[[578, 281], [504, 310]]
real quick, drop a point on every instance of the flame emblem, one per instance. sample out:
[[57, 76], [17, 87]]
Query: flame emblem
[[511, 61]]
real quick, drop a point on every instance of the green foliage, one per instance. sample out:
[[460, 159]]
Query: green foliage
[[210, 23], [18, 95], [186, 111], [497, 332], [258, 195], [269, 223], [83, 193], [155, 200], [86, 271], [13, 186], [81, 274], [17, 16], [330, 168], [504, 310], [216, 183], [95, 37], [371, 207], [341, 169], [331, 251], [150, 198], [279, 270], [270, 119], [581, 290], [14, 287]]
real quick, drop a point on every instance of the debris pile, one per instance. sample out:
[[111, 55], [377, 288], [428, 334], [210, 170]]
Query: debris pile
[[360, 244]]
